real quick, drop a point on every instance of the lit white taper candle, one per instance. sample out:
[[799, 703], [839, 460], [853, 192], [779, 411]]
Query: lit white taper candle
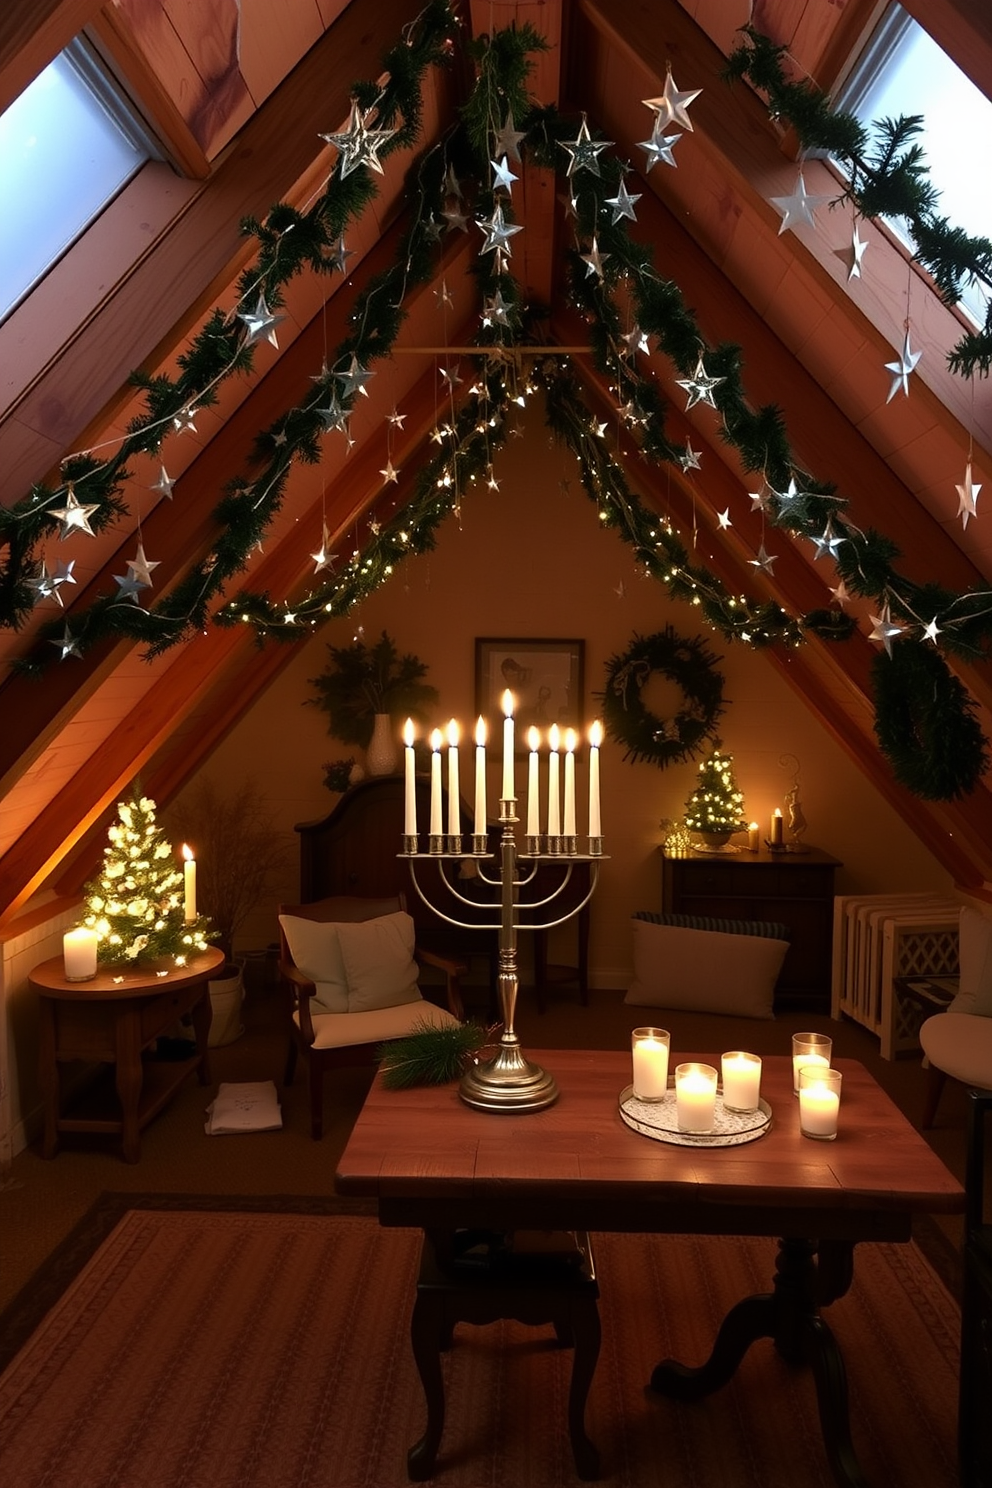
[[595, 818], [437, 828], [189, 884], [508, 790], [480, 777], [410, 795], [454, 802], [568, 814], [533, 785], [554, 817]]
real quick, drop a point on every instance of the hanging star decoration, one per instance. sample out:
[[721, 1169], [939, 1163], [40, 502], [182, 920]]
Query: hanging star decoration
[[498, 232], [840, 595], [390, 473], [797, 209], [903, 368], [164, 484], [494, 311], [828, 542], [340, 255], [358, 144], [442, 295], [140, 566], [689, 458], [623, 204], [723, 519], [659, 148], [450, 376], [456, 219], [260, 323], [594, 260], [74, 516], [44, 585], [508, 139], [793, 493], [396, 419], [858, 249], [584, 151], [503, 177], [67, 643], [129, 585], [636, 340], [183, 423], [764, 560], [334, 416], [354, 380], [759, 499], [967, 497], [699, 387], [322, 558], [672, 107], [931, 631], [884, 629]]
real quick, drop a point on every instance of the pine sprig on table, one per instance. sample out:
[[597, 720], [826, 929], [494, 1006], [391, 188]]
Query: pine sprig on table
[[430, 1055]]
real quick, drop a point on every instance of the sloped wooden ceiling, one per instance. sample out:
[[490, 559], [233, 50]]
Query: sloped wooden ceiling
[[241, 93]]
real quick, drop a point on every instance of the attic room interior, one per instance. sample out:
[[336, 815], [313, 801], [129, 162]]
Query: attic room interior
[[631, 358]]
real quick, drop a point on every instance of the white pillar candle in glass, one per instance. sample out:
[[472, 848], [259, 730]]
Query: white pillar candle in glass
[[809, 1048], [595, 820], [741, 1080], [189, 884], [410, 792], [454, 787], [79, 954], [437, 826], [568, 812], [649, 1048], [695, 1097], [533, 785], [480, 777], [508, 792], [776, 837], [819, 1102], [554, 802]]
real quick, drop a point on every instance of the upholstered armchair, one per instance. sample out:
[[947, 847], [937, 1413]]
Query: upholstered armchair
[[349, 967], [958, 1042]]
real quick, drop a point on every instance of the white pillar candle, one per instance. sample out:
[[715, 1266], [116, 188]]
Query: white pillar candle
[[410, 795], [741, 1080], [189, 884], [595, 820], [809, 1048], [533, 785], [802, 1061], [776, 837], [79, 954], [819, 1103], [753, 837], [437, 826], [649, 1053], [554, 807], [480, 777], [568, 814], [508, 789], [454, 787], [695, 1097]]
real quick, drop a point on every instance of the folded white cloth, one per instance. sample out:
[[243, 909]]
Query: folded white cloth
[[253, 1106]]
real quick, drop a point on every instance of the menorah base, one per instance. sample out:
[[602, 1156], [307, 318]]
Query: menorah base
[[508, 1083]]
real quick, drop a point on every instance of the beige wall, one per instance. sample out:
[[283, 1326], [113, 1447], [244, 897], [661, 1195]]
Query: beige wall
[[533, 560]]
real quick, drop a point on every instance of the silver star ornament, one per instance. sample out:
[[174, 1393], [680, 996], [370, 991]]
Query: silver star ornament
[[498, 232], [358, 144], [967, 497], [672, 107], [584, 151], [74, 516], [902, 369], [699, 387], [622, 204], [884, 629], [797, 209], [261, 323], [659, 148]]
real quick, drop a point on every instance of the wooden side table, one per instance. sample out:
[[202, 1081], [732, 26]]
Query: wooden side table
[[111, 1019], [793, 889]]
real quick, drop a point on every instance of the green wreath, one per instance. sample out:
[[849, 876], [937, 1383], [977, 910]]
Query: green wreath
[[692, 666], [925, 724]]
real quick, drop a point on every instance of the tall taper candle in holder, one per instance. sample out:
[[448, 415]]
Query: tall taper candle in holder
[[509, 1082]]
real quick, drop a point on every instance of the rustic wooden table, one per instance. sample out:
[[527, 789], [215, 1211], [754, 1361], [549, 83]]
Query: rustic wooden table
[[434, 1163]]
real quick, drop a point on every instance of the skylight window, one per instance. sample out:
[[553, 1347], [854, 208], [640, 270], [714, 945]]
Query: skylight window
[[67, 147], [904, 71]]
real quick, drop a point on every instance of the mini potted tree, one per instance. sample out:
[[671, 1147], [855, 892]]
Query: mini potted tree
[[365, 690]]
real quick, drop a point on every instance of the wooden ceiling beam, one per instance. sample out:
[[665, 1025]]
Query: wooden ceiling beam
[[32, 33]]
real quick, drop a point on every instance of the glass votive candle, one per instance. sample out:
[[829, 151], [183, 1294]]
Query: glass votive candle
[[809, 1048], [695, 1097], [819, 1102], [649, 1049], [741, 1080], [79, 954]]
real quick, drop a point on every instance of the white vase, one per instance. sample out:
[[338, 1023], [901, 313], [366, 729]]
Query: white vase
[[226, 997], [383, 752]]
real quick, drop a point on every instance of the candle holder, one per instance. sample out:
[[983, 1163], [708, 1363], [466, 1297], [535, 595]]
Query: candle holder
[[436, 844], [510, 1082]]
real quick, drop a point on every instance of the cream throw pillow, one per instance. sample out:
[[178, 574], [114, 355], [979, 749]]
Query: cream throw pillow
[[314, 947], [378, 962], [975, 962], [704, 971]]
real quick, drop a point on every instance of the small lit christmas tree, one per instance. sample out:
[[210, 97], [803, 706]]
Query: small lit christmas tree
[[716, 805], [137, 905]]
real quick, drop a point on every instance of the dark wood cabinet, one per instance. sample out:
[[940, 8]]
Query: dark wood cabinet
[[793, 889]]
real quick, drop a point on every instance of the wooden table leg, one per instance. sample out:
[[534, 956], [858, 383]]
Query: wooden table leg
[[790, 1315], [426, 1330], [128, 1078]]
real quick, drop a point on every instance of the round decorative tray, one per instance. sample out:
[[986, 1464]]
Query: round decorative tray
[[657, 1120]]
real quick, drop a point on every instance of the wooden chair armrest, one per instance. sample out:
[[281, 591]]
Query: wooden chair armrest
[[453, 970], [301, 989], [443, 963]]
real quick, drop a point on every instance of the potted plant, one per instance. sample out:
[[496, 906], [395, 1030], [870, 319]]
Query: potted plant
[[364, 689]]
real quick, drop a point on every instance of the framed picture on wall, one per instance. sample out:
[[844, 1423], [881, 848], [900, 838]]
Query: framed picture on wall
[[545, 677]]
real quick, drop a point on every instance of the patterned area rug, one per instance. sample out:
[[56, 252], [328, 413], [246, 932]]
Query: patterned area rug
[[225, 1349]]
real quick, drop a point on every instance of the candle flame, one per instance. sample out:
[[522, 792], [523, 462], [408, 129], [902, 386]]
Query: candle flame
[[187, 853], [553, 736], [507, 703], [408, 733], [452, 733], [435, 739], [596, 734], [533, 739], [480, 731], [570, 739]]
